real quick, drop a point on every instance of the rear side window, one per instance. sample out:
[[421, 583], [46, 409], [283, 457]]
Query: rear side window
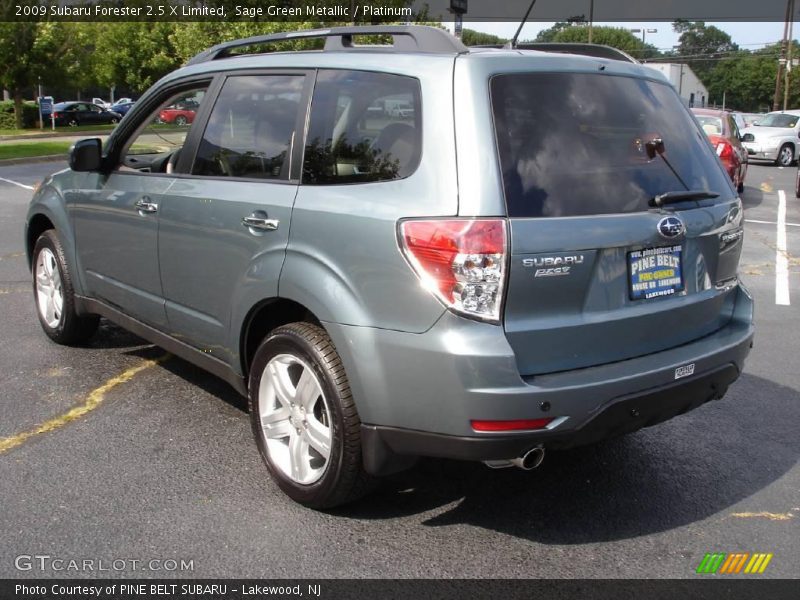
[[251, 128], [574, 144], [364, 127]]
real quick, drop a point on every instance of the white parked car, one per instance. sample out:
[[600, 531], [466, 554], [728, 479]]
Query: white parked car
[[101, 102], [775, 138]]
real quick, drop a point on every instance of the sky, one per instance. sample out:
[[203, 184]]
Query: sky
[[748, 35]]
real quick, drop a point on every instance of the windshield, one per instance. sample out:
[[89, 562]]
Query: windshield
[[778, 120], [575, 144]]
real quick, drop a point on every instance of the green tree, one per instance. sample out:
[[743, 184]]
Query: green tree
[[471, 37], [53, 52], [616, 37], [747, 80], [701, 45]]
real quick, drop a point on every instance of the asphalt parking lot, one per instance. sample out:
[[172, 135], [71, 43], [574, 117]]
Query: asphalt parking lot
[[158, 462]]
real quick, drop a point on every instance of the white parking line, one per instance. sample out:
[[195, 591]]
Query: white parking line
[[781, 258], [17, 183], [770, 223]]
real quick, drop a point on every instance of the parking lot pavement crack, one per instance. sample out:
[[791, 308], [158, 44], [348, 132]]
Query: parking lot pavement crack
[[94, 399]]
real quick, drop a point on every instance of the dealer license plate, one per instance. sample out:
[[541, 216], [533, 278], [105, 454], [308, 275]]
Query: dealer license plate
[[655, 272]]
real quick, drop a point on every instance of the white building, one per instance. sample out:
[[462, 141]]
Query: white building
[[689, 87]]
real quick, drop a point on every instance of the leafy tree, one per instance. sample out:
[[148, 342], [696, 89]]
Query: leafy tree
[[616, 37], [747, 80], [700, 45], [29, 51], [471, 37]]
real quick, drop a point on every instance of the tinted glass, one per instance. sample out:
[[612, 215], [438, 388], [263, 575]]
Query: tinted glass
[[364, 127], [778, 120], [251, 128], [574, 144]]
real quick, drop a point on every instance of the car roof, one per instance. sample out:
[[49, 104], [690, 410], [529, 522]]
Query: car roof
[[711, 112]]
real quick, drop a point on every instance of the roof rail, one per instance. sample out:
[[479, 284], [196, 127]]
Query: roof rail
[[596, 50], [405, 38]]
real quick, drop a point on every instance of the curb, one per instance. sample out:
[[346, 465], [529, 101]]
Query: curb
[[53, 134], [32, 159]]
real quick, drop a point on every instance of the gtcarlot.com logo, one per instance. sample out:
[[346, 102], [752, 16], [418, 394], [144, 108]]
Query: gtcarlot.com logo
[[45, 563], [734, 563]]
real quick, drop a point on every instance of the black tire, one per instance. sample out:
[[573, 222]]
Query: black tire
[[71, 329], [344, 478], [180, 121], [783, 159], [73, 122], [114, 120]]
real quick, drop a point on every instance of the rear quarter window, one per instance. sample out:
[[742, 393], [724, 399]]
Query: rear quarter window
[[574, 144], [365, 127]]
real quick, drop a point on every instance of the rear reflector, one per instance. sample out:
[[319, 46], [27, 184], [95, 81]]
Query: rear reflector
[[515, 425]]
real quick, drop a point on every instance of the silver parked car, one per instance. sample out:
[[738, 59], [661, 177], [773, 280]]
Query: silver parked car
[[776, 137], [541, 251]]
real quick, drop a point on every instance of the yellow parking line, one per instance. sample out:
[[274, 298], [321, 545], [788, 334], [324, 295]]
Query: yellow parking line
[[764, 515], [92, 401]]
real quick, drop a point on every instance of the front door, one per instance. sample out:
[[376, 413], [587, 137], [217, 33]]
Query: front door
[[116, 220]]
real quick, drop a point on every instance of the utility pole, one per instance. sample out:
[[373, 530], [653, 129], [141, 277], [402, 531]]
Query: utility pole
[[591, 19], [788, 60], [776, 99]]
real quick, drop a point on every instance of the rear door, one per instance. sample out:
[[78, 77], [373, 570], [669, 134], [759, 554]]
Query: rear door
[[224, 224], [598, 273]]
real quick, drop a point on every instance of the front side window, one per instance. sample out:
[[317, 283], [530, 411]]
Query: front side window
[[576, 144], [156, 146], [364, 127], [251, 128]]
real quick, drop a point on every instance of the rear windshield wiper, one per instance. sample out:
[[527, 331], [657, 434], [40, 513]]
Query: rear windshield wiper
[[672, 197]]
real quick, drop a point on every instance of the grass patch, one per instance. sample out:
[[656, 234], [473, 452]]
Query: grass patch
[[30, 149], [65, 129]]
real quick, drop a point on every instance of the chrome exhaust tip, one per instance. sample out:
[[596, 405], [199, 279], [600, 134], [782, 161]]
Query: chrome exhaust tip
[[530, 459]]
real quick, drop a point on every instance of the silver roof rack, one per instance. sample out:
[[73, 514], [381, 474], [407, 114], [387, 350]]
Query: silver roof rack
[[405, 38]]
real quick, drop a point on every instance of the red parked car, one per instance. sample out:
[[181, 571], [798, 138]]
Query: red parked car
[[179, 114], [723, 134]]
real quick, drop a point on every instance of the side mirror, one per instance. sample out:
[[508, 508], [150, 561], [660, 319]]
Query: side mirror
[[86, 155]]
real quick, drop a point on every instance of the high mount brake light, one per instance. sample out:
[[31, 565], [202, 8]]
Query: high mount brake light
[[461, 261]]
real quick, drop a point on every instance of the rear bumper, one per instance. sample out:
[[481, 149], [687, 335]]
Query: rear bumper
[[416, 393], [621, 415]]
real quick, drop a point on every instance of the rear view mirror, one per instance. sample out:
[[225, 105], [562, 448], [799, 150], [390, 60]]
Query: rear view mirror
[[86, 155]]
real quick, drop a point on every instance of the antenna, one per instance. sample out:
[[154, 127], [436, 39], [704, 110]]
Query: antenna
[[513, 42]]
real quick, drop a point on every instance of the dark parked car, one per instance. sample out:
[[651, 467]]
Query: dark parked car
[[83, 113], [723, 133], [122, 107]]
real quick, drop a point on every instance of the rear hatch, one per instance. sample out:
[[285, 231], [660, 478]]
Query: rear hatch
[[597, 272]]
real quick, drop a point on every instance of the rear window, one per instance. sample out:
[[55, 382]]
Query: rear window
[[574, 144]]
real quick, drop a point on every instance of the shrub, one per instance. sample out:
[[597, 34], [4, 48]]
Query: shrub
[[30, 114]]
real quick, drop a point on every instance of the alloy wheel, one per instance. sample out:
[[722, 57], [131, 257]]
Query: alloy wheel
[[49, 292], [295, 419]]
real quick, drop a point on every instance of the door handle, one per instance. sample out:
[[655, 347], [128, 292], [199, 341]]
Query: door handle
[[260, 223], [145, 206]]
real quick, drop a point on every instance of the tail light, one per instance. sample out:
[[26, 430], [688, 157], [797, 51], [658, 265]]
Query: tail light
[[514, 425], [723, 147], [56, 115], [462, 262]]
